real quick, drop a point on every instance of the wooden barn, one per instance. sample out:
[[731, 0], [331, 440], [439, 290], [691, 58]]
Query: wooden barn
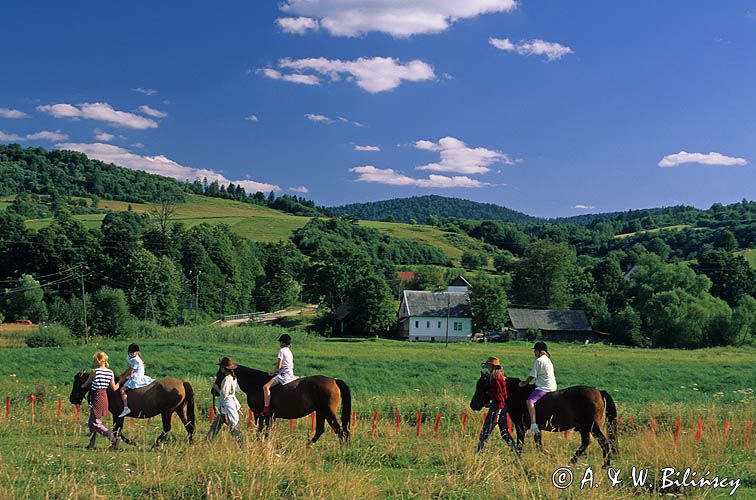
[[554, 324]]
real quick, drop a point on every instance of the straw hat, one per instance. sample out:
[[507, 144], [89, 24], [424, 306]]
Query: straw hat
[[227, 363], [492, 361]]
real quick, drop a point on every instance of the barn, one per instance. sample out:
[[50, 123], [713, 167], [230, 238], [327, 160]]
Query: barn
[[554, 324]]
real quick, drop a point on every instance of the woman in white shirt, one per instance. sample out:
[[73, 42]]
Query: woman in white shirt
[[545, 382], [228, 405], [284, 372]]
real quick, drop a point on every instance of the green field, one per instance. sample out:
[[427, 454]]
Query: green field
[[262, 224], [658, 229], [385, 376], [749, 255]]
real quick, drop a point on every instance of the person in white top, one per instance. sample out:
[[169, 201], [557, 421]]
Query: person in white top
[[228, 405], [134, 375], [284, 372], [545, 382]]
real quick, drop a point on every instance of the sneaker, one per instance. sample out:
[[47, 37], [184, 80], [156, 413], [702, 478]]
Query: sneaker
[[125, 412]]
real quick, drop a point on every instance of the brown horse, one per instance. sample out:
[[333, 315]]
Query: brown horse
[[298, 399], [579, 407], [163, 397]]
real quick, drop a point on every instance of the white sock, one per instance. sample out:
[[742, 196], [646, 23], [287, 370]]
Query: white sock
[[534, 428]]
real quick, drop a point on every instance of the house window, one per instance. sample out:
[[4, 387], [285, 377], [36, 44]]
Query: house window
[[433, 339], [439, 324], [427, 324], [457, 326], [417, 325]]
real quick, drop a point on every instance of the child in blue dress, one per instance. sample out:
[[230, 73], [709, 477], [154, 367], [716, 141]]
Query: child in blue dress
[[135, 377]]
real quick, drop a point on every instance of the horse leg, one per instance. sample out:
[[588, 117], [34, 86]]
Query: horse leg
[[118, 430], [187, 424], [585, 440], [166, 429], [596, 431], [319, 426], [333, 421]]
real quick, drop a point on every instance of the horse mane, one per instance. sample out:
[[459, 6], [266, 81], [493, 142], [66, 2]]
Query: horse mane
[[247, 376]]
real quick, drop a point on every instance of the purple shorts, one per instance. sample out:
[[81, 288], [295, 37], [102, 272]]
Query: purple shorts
[[536, 395]]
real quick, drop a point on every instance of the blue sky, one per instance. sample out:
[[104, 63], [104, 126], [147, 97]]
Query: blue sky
[[550, 108]]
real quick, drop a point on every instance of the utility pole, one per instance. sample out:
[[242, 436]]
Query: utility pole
[[84, 303], [196, 297], [448, 306]]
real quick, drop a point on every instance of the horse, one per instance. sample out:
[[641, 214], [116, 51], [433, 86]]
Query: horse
[[579, 407], [163, 397], [298, 399]]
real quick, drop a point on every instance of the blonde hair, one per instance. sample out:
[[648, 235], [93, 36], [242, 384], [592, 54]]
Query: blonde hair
[[100, 359]]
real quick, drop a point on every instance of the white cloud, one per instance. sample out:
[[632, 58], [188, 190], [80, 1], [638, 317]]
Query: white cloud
[[138, 145], [376, 74], [12, 113], [159, 165], [152, 111], [399, 18], [369, 173], [299, 189], [99, 111], [584, 207], [366, 148], [456, 157], [145, 91], [103, 136], [318, 118], [292, 78], [712, 158], [44, 135], [536, 47], [297, 25], [251, 118]]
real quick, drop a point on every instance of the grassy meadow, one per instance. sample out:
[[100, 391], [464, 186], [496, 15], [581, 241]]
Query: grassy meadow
[[46, 457]]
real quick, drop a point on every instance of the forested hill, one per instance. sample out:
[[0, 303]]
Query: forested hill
[[419, 208], [67, 173]]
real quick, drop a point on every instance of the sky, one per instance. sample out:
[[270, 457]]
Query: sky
[[552, 108]]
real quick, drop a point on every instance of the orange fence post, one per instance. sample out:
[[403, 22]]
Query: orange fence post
[[57, 409], [566, 434], [749, 429], [312, 422], [33, 402], [212, 416], [398, 421], [354, 421], [375, 419], [653, 424], [76, 411], [419, 422], [509, 424], [464, 421], [147, 423], [677, 429], [291, 425], [727, 430], [438, 422], [250, 420], [699, 430]]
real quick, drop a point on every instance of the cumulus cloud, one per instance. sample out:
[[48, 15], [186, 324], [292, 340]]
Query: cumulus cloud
[[366, 148], [297, 25], [299, 189], [456, 157], [369, 173], [103, 136], [152, 111], [372, 74], [397, 18], [318, 118], [44, 135], [291, 77], [584, 207], [12, 113], [711, 158], [99, 111], [159, 165], [145, 91], [251, 118], [535, 47]]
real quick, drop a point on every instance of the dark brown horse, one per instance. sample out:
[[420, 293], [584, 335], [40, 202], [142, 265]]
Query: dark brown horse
[[579, 407], [298, 399], [163, 397]]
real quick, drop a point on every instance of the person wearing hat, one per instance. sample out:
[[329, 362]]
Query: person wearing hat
[[545, 382], [228, 405], [284, 372], [497, 412], [134, 375]]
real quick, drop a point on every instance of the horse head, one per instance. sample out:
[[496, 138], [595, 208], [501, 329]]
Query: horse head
[[481, 397], [77, 393]]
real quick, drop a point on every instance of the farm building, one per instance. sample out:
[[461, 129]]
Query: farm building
[[554, 324], [431, 316]]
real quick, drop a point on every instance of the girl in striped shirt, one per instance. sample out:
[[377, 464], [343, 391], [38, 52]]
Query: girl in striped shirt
[[100, 378]]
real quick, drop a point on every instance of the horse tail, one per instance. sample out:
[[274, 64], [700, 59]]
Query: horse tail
[[189, 406], [346, 406], [611, 420]]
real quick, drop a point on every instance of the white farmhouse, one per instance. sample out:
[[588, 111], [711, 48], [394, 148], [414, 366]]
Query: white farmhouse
[[431, 316]]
